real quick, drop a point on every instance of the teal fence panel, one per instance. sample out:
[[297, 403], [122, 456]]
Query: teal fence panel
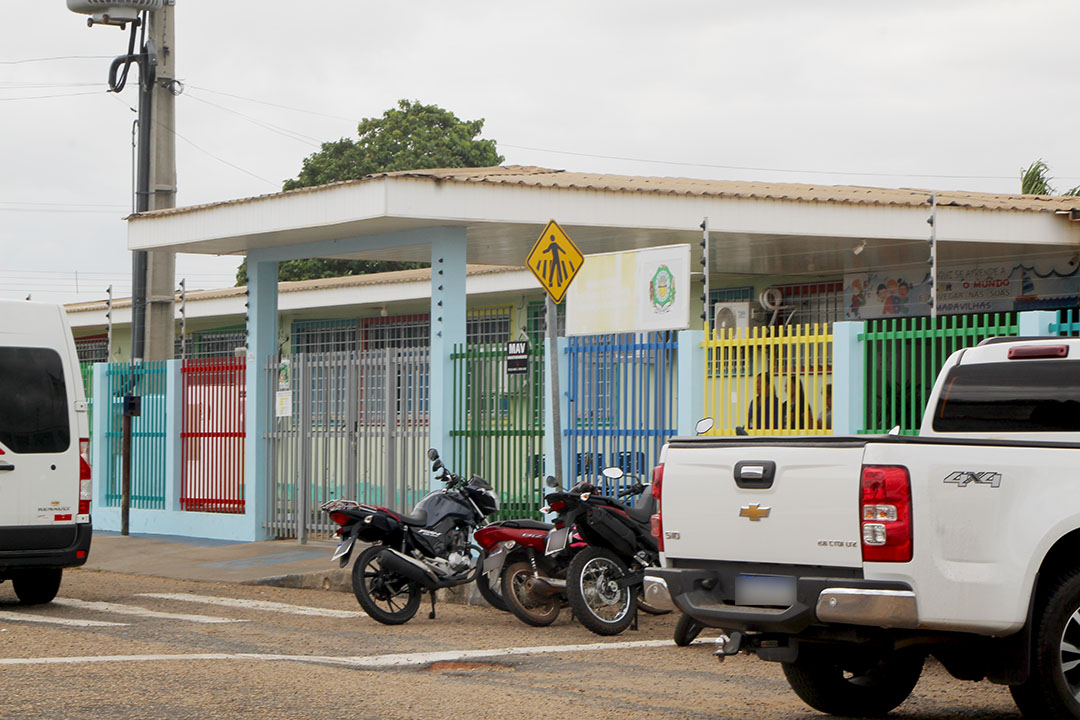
[[1068, 323], [148, 437]]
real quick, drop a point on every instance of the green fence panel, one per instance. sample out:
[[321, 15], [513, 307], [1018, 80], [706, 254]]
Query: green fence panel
[[86, 370], [904, 355], [147, 433], [498, 430]]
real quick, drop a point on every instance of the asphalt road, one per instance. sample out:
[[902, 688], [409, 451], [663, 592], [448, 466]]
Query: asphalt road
[[222, 658]]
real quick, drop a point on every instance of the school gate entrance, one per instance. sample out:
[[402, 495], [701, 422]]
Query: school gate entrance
[[351, 425]]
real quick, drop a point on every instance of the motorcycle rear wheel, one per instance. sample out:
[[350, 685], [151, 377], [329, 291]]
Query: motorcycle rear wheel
[[529, 609], [386, 596], [596, 600]]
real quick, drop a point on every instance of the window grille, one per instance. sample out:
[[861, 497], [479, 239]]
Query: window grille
[[816, 302], [321, 336], [537, 322], [92, 349], [210, 343], [488, 325]]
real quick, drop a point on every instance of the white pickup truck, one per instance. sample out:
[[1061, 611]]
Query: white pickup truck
[[851, 559]]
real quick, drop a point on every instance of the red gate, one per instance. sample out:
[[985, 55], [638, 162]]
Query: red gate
[[212, 435]]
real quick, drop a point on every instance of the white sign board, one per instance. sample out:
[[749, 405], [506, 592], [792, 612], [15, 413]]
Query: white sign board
[[633, 291], [283, 403]]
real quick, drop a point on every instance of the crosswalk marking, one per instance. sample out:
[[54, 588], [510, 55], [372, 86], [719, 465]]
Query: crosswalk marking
[[368, 661], [255, 605], [30, 617], [138, 611]]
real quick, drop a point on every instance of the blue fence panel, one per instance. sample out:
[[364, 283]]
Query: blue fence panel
[[623, 404], [147, 434]]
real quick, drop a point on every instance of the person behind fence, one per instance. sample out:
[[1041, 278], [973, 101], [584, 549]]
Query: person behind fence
[[764, 411], [796, 410]]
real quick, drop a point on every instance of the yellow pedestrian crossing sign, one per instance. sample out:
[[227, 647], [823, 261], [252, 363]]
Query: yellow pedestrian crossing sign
[[554, 260]]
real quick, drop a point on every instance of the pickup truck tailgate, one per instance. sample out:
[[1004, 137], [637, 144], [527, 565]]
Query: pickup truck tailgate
[[789, 501]]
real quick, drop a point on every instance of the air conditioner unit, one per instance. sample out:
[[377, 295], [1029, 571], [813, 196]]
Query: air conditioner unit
[[733, 315]]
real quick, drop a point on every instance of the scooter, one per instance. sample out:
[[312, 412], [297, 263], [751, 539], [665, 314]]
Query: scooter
[[417, 553]]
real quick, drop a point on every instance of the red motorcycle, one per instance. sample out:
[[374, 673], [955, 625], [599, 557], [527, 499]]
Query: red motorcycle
[[533, 583]]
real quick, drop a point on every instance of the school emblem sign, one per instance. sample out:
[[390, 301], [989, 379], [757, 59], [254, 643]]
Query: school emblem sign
[[555, 260], [662, 289]]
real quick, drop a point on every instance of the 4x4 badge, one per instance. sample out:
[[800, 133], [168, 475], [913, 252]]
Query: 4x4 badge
[[963, 478]]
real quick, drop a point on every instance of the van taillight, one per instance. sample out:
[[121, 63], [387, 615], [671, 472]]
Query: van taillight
[[656, 527], [86, 484], [886, 514], [657, 480]]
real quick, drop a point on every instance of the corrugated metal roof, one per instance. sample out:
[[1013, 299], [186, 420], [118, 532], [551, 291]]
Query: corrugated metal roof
[[386, 278], [528, 176]]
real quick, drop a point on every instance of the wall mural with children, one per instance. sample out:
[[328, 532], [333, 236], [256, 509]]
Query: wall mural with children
[[981, 287]]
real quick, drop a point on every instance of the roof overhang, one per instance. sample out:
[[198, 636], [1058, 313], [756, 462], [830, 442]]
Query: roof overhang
[[756, 228]]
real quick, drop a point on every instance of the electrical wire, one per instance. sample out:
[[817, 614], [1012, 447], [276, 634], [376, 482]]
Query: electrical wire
[[49, 97], [58, 57], [271, 104], [292, 135]]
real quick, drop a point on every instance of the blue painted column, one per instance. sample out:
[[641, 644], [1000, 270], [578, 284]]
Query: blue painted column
[[1036, 323], [262, 344], [691, 392], [550, 461], [174, 410], [848, 378], [448, 302], [99, 442]]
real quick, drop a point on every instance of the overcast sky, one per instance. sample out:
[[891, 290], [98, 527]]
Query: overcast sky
[[944, 94]]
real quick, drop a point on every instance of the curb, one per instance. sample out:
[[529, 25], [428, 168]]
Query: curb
[[341, 581]]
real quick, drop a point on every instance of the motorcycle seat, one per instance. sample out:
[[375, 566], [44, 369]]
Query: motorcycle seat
[[643, 512], [418, 518], [526, 525]]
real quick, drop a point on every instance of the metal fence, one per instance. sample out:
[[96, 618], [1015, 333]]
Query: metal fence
[[345, 425], [1068, 323], [212, 434], [773, 380], [623, 404], [148, 438], [498, 428], [904, 356], [86, 371]]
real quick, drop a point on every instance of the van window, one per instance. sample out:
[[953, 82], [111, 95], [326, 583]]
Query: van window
[[1014, 396], [33, 401]]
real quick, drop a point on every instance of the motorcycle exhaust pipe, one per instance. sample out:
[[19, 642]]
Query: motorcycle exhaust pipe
[[408, 567], [545, 586]]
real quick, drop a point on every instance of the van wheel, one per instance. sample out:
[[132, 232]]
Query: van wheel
[[1053, 688], [37, 587], [868, 686]]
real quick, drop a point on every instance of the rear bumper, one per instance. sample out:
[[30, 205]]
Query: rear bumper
[[29, 557], [707, 595]]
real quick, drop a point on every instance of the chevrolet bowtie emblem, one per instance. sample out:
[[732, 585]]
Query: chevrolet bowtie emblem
[[754, 512]]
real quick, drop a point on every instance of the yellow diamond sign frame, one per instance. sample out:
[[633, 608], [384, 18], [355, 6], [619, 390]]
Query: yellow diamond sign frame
[[555, 261]]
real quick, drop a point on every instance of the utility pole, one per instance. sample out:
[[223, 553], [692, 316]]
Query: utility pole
[[161, 266]]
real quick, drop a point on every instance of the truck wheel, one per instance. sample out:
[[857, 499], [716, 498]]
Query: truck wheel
[[37, 587], [1053, 688], [857, 688]]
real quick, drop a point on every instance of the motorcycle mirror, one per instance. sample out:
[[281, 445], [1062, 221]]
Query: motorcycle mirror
[[703, 426], [613, 473], [437, 465], [551, 482], [432, 454]]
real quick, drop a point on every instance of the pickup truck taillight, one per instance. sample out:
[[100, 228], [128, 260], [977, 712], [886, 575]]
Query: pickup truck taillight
[[656, 522], [886, 514]]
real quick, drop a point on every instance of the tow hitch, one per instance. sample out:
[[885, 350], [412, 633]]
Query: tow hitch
[[776, 649]]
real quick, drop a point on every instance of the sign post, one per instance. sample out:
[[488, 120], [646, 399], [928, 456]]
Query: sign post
[[555, 260]]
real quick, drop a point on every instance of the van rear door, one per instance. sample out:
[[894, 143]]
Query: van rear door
[[39, 445]]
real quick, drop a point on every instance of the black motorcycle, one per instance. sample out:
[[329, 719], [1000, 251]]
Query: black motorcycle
[[604, 580], [417, 553]]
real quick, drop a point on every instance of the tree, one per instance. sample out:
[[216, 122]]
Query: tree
[[411, 136], [1036, 181]]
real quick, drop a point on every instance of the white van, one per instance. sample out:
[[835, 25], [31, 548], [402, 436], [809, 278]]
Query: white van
[[45, 485]]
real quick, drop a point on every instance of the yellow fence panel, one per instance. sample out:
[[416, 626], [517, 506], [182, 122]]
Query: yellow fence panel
[[769, 380]]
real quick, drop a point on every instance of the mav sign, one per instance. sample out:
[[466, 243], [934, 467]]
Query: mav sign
[[517, 357]]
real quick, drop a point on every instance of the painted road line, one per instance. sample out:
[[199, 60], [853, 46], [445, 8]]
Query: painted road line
[[138, 611], [373, 662], [255, 605], [6, 616]]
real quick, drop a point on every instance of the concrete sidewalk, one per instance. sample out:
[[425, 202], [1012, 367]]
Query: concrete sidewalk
[[284, 563]]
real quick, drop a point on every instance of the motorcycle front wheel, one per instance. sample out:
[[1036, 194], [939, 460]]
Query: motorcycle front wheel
[[529, 609], [385, 596], [594, 594]]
